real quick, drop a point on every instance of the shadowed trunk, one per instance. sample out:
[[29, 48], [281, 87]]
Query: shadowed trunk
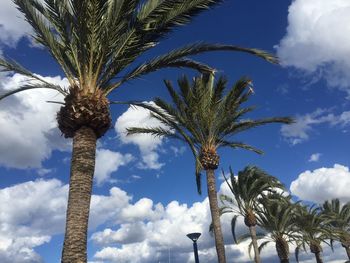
[[80, 187], [252, 230], [318, 257], [282, 249], [215, 216]]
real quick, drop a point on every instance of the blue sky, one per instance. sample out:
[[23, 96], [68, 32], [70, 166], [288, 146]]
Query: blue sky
[[145, 198]]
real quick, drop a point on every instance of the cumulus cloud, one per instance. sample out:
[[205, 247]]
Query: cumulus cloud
[[28, 122], [317, 40], [148, 144], [323, 184], [26, 221], [134, 226], [158, 234], [108, 162], [299, 131], [162, 233], [12, 24]]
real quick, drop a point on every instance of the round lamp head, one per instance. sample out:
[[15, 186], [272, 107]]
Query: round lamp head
[[194, 236]]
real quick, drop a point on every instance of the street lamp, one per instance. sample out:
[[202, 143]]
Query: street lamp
[[194, 237]]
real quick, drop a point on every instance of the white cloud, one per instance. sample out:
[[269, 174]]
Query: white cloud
[[144, 231], [317, 40], [148, 144], [28, 122], [299, 131], [315, 157], [12, 24], [26, 221], [108, 162], [323, 184], [162, 233]]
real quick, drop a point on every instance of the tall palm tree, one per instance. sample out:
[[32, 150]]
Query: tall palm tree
[[247, 188], [275, 215], [314, 230], [339, 216], [95, 42], [205, 118]]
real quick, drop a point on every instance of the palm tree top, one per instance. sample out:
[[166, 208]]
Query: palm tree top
[[339, 219], [333, 209], [94, 41], [205, 114], [275, 214], [248, 188], [313, 226]]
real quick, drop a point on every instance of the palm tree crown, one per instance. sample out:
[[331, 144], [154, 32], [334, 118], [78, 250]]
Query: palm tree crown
[[275, 215], [314, 229], [204, 117], [95, 40], [250, 185], [339, 216]]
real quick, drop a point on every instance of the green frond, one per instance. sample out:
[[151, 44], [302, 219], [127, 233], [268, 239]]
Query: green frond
[[29, 86], [9, 65], [233, 228], [262, 245], [159, 17], [44, 35], [239, 145], [250, 124], [243, 237], [160, 63], [155, 131]]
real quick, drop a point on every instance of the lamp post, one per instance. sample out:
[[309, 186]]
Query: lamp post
[[194, 237]]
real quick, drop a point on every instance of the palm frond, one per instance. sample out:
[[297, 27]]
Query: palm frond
[[160, 63], [239, 145], [29, 86]]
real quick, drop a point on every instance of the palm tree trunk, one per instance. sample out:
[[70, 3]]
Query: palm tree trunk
[[282, 249], [215, 216], [252, 230], [80, 188], [318, 257]]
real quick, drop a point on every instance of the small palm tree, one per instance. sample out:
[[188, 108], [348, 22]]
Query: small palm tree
[[95, 42], [339, 216], [314, 230], [206, 119], [275, 215], [247, 188]]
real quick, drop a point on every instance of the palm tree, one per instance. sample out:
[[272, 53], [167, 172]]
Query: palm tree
[[275, 215], [314, 230], [247, 188], [205, 118], [95, 42], [339, 216]]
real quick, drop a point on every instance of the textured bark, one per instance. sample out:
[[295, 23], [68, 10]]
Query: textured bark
[[252, 230], [282, 249], [215, 216], [318, 257], [80, 187]]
